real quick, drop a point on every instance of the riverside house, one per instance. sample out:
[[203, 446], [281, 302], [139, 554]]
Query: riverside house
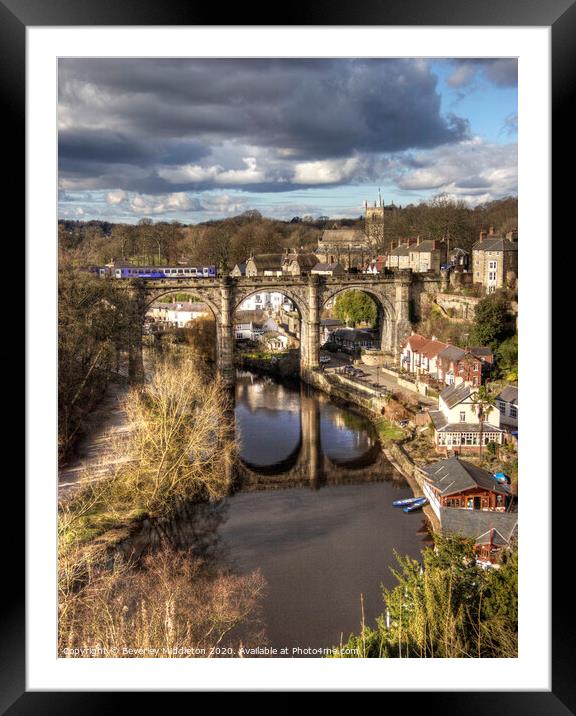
[[470, 502], [420, 355], [457, 365], [457, 483], [457, 429]]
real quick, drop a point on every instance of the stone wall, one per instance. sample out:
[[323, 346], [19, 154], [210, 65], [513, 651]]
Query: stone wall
[[462, 306]]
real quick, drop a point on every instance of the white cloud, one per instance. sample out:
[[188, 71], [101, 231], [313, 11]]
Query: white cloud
[[116, 197], [250, 175], [215, 173], [474, 171], [179, 201], [329, 171]]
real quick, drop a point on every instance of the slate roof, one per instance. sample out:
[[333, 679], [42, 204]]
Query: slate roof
[[492, 536], [424, 246], [353, 334], [454, 394], [268, 261], [475, 523], [442, 425], [452, 353], [496, 243], [509, 394], [303, 260], [254, 317], [326, 267], [454, 475], [469, 428], [401, 250], [331, 322], [343, 236], [480, 351]]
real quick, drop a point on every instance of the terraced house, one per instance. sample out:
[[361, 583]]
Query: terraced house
[[495, 260]]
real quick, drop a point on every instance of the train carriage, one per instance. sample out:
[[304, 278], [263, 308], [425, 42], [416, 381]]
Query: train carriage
[[157, 272]]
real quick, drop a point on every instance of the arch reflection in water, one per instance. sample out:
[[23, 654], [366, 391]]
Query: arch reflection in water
[[293, 435]]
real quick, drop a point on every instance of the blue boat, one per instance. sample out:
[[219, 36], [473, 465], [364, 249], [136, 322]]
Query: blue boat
[[420, 502], [406, 501]]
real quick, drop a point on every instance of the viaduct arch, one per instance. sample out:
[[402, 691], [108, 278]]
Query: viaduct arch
[[392, 292]]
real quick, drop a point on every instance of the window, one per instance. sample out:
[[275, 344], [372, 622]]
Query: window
[[501, 407], [463, 417], [513, 411]]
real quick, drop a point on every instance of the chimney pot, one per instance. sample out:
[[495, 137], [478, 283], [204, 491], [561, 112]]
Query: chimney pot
[[483, 235]]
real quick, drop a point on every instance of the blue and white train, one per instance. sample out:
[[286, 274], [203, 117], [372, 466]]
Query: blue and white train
[[156, 272]]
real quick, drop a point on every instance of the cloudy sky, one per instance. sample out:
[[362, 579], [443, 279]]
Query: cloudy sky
[[190, 140]]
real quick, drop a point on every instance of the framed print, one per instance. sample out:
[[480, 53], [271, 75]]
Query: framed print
[[283, 286]]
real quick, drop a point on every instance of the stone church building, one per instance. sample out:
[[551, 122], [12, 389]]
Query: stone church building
[[354, 248]]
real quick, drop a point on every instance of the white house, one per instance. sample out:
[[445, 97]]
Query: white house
[[178, 314], [456, 425]]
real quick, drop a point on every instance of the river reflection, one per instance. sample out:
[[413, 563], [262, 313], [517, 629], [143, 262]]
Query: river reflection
[[319, 549]]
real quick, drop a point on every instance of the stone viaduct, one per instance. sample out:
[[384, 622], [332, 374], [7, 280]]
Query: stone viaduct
[[393, 293]]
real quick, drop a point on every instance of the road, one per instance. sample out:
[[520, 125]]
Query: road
[[375, 376]]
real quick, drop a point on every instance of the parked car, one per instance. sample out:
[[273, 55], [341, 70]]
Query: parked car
[[325, 359]]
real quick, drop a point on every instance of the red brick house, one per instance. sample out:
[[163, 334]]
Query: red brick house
[[456, 365]]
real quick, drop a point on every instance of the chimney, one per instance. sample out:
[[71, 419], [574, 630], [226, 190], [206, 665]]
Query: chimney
[[492, 232], [393, 245], [483, 235], [512, 235], [418, 240]]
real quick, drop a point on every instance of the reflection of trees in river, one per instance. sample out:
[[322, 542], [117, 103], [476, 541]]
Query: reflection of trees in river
[[191, 526]]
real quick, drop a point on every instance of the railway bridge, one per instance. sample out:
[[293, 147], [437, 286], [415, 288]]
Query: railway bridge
[[392, 293]]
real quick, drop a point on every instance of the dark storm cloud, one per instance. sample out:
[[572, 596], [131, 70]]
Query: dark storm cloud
[[152, 113], [105, 147]]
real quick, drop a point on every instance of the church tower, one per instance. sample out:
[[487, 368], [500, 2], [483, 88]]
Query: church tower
[[374, 221]]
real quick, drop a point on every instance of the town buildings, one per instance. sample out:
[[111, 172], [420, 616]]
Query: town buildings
[[353, 248], [444, 362], [420, 256], [471, 502], [265, 265], [299, 264], [178, 314], [327, 328], [328, 269], [507, 404], [457, 428], [354, 339], [456, 365], [457, 483], [495, 260], [273, 301]]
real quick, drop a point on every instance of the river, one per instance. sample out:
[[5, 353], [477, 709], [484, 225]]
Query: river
[[312, 511]]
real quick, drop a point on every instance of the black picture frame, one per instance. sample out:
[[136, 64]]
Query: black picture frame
[[560, 15]]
